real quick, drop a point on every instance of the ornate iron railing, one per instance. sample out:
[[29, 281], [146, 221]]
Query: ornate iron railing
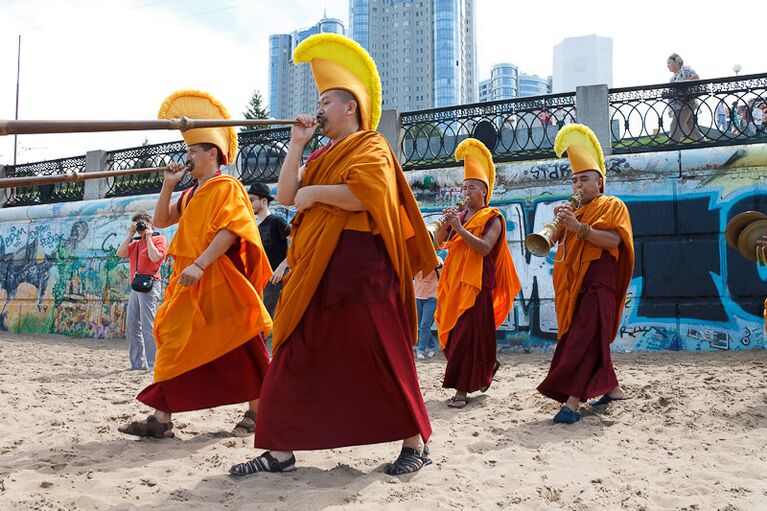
[[262, 152], [156, 155], [45, 194], [689, 114], [514, 129]]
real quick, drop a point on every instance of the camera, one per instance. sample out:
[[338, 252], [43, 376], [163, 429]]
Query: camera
[[140, 226]]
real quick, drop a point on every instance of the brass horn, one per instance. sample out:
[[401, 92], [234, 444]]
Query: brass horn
[[741, 234], [434, 227], [540, 243]]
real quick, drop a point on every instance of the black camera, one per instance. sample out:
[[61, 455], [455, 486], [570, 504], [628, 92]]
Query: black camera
[[140, 226]]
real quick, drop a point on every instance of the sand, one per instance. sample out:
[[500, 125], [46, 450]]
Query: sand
[[693, 436]]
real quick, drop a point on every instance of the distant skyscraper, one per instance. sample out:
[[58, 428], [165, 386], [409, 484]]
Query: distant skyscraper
[[503, 83], [291, 87], [533, 85], [586, 60], [485, 90], [425, 49]]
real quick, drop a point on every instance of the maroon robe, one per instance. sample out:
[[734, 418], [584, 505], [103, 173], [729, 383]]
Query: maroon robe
[[582, 366], [471, 344], [346, 375]]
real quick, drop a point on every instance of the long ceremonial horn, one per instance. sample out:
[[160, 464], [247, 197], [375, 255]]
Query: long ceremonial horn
[[182, 124], [72, 177]]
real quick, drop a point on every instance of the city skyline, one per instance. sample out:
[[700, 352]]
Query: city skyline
[[79, 64]]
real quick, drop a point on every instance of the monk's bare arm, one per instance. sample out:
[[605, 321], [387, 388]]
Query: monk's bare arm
[[340, 196], [220, 244], [485, 244], [290, 175], [165, 213], [603, 239]]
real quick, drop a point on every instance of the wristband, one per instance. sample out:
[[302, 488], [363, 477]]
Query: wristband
[[200, 267]]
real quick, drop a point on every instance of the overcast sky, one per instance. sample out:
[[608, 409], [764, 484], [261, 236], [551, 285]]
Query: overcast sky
[[118, 59]]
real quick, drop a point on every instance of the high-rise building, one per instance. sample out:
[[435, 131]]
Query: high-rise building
[[485, 90], [291, 87], [503, 83], [425, 49], [533, 85], [586, 60]]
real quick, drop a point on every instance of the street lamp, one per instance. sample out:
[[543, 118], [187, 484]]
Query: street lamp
[[737, 69]]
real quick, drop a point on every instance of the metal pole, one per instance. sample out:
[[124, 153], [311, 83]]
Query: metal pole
[[18, 74]]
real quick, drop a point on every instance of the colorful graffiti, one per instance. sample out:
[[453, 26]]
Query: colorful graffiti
[[60, 274], [59, 270]]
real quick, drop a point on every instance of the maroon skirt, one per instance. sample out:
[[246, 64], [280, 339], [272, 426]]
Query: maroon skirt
[[346, 375], [471, 347], [582, 366], [234, 377]]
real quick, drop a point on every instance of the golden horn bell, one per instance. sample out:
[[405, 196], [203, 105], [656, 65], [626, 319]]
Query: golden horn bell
[[434, 227], [540, 243], [742, 232]]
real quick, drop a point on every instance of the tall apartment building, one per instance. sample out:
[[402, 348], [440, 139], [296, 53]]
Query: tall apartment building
[[533, 85], [425, 50], [291, 87], [586, 60], [502, 84]]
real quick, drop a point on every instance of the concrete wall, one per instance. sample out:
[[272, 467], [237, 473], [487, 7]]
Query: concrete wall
[[59, 272]]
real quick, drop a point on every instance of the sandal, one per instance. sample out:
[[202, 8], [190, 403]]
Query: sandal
[[150, 427], [458, 402], [264, 463], [247, 424], [495, 370], [409, 461]]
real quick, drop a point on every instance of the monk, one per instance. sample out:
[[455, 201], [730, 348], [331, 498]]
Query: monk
[[210, 327], [343, 371], [479, 281], [592, 271]]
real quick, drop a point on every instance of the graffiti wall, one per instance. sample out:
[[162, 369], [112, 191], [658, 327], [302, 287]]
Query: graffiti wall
[[59, 272]]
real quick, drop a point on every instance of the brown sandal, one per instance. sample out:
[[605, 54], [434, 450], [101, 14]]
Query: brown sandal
[[150, 427], [244, 425], [458, 402]]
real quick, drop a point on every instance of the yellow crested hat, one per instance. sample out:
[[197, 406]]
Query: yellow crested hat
[[583, 149], [201, 105], [477, 163], [340, 63]]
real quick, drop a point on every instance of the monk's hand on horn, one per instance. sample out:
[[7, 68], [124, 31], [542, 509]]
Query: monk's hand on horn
[[174, 173], [452, 217], [190, 275], [567, 218], [304, 129]]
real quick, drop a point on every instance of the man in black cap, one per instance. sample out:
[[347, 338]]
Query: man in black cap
[[274, 232]]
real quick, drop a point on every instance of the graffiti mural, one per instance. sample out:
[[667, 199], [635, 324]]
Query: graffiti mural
[[59, 272]]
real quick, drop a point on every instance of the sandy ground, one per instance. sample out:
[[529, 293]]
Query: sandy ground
[[693, 437]]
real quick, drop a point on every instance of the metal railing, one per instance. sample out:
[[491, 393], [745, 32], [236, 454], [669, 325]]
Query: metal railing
[[514, 129], [682, 115], [262, 152], [156, 155], [45, 194]]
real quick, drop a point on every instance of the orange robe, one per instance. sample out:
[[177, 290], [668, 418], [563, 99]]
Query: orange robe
[[461, 278], [605, 213], [365, 163], [198, 324]]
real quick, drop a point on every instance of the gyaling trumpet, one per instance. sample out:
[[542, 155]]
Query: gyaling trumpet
[[434, 227], [540, 243]]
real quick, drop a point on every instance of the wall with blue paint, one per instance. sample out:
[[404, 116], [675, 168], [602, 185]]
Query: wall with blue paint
[[59, 272]]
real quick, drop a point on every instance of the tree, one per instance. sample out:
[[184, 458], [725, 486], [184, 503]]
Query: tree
[[255, 110]]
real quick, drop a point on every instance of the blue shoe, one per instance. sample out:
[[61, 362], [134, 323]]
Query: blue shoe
[[567, 416], [604, 400]]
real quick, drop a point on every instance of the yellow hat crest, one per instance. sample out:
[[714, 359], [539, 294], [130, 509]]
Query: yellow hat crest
[[201, 105], [583, 149], [341, 63], [477, 163]]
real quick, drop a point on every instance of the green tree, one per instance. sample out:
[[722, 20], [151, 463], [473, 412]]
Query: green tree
[[255, 110]]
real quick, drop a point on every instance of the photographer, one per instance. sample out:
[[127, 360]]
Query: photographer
[[146, 253]]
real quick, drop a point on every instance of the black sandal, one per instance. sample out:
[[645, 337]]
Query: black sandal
[[264, 463], [246, 427], [495, 370], [150, 427], [409, 461]]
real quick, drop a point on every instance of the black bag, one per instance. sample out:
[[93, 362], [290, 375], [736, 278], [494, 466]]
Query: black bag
[[141, 283]]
